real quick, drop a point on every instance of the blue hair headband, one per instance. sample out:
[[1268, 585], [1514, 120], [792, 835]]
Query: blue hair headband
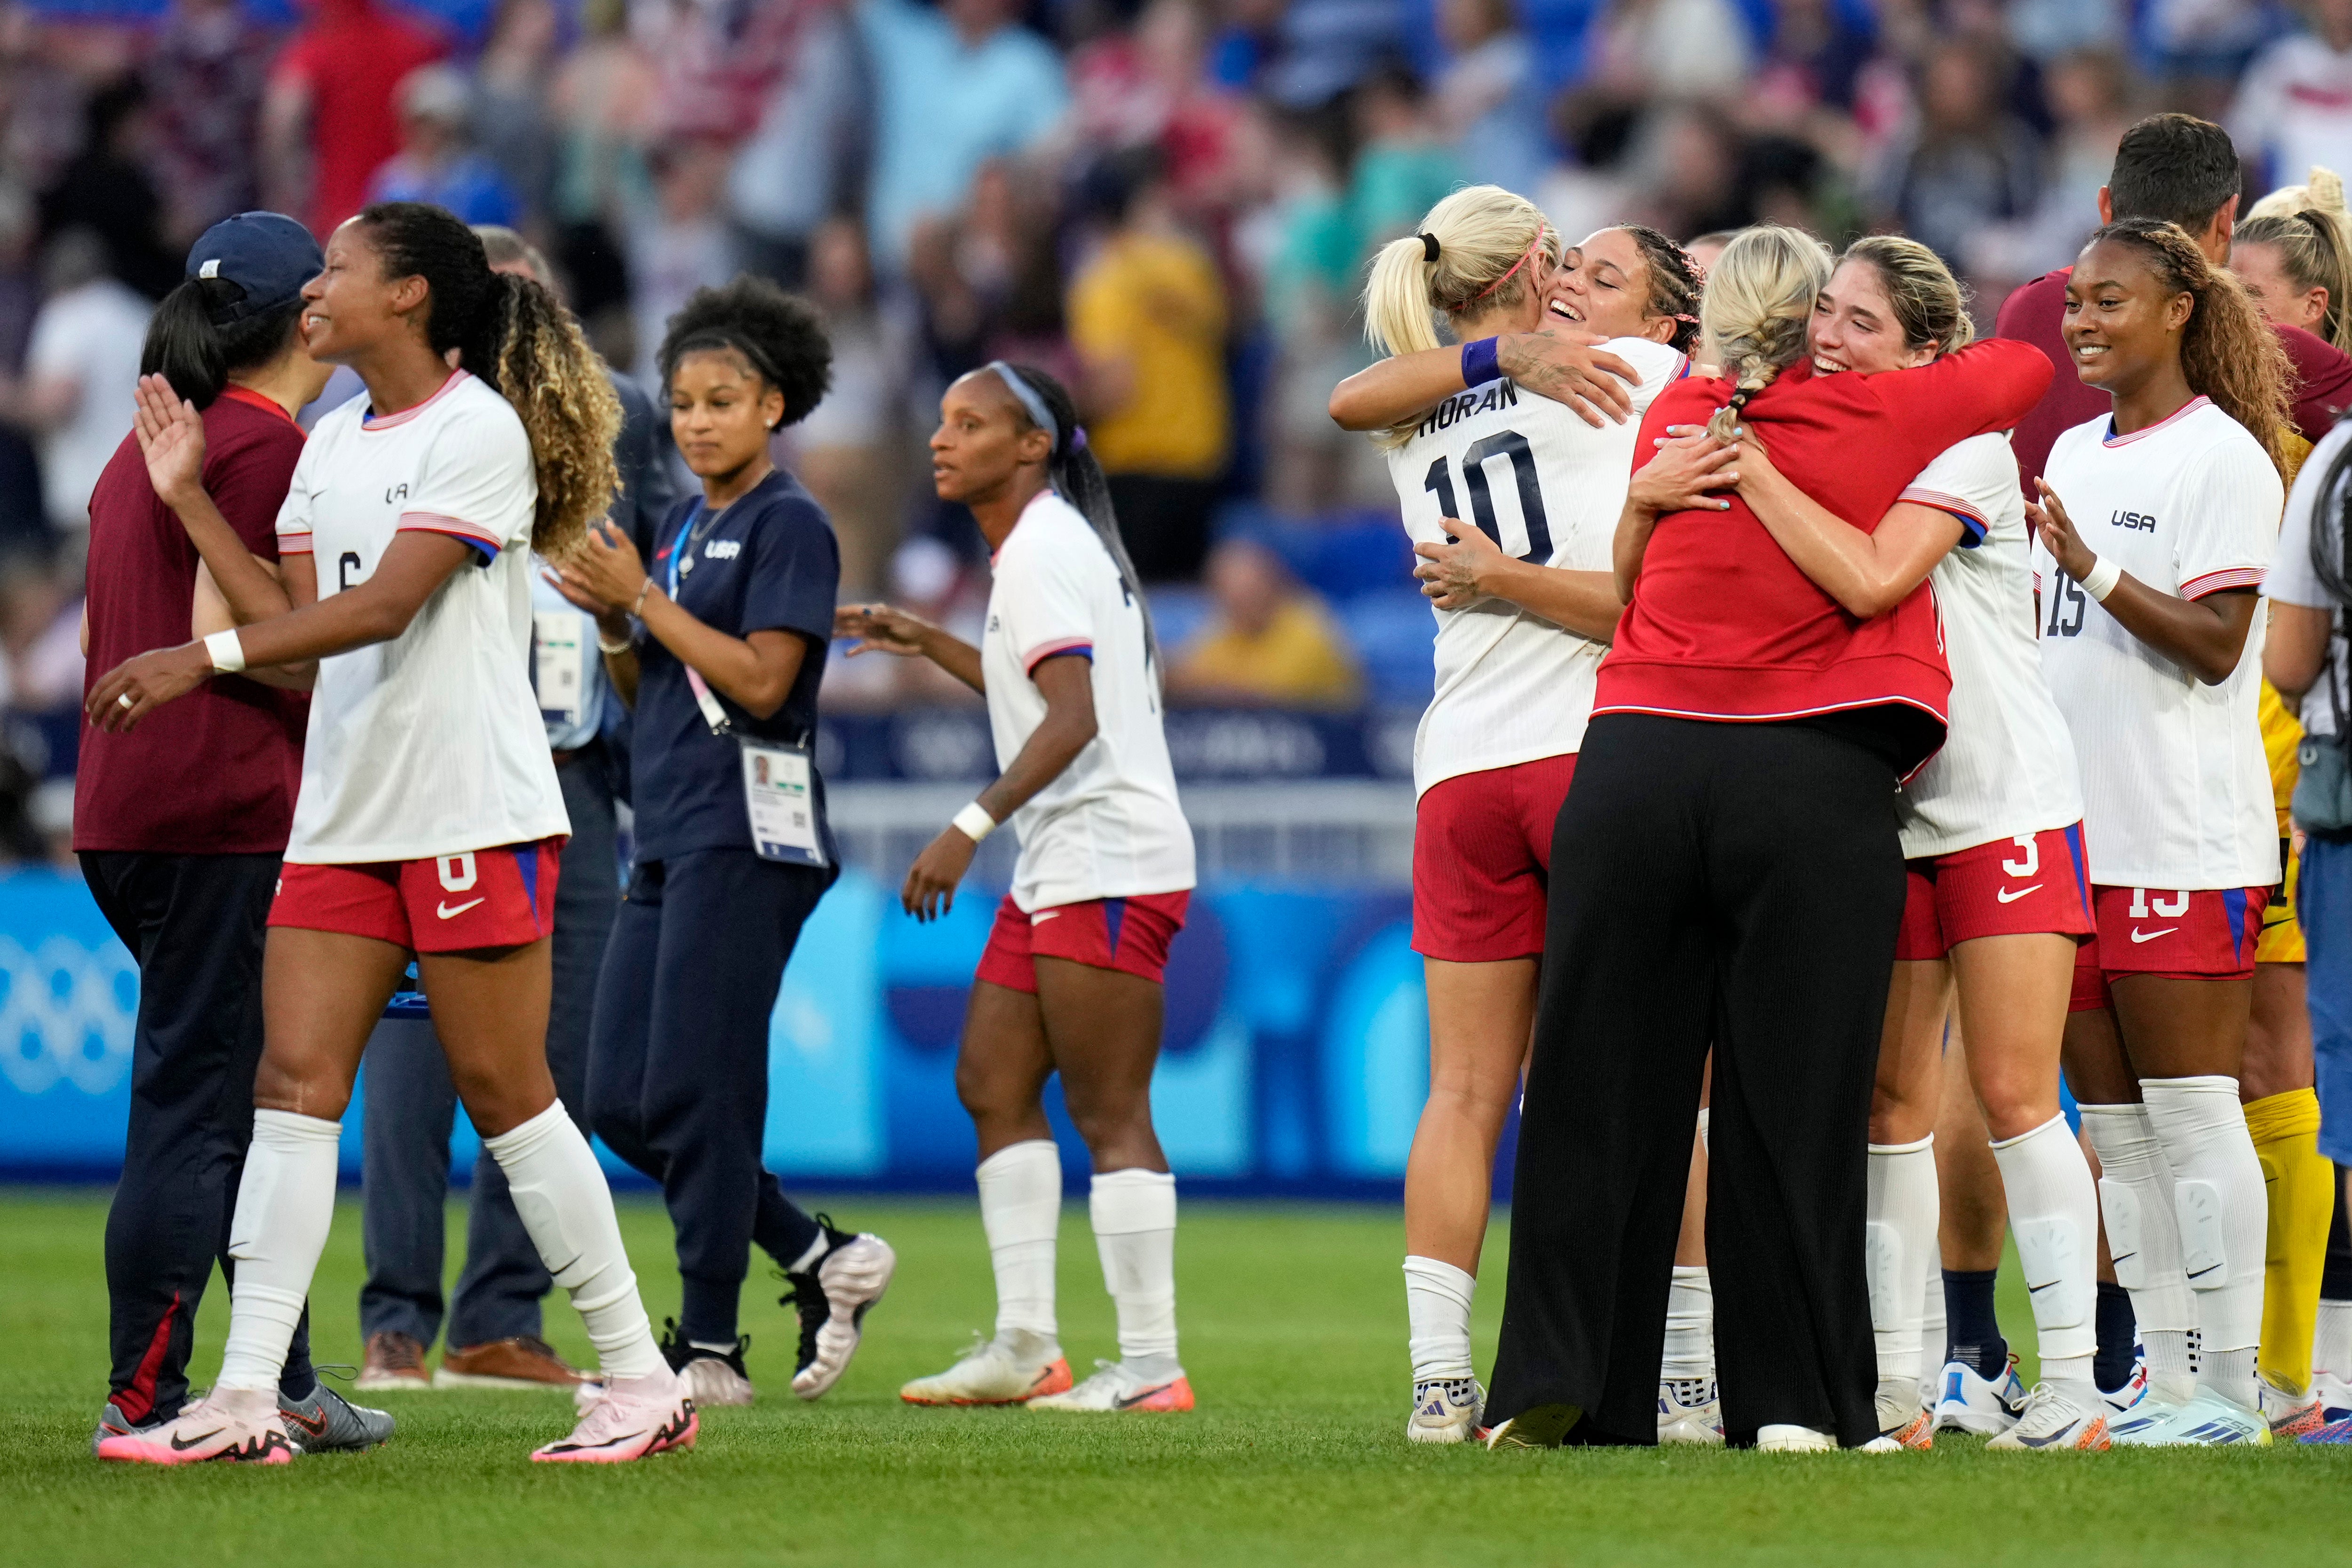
[[1026, 395]]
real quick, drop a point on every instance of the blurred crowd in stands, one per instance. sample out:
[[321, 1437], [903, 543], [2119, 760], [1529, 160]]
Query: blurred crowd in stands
[[1167, 203]]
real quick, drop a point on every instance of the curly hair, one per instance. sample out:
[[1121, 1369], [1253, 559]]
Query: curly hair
[[518, 337], [1759, 297], [780, 336], [1675, 283], [2228, 352]]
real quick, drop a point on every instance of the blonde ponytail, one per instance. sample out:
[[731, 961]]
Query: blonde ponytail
[[1759, 296], [2313, 234], [1476, 247]]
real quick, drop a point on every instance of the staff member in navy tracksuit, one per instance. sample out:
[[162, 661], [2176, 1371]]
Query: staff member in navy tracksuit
[[723, 663]]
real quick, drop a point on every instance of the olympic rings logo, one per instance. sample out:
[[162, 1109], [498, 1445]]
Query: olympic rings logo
[[66, 1011]]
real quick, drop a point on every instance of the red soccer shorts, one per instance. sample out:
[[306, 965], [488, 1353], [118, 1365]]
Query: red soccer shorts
[[2010, 887], [1482, 861], [1130, 935], [2205, 934], [483, 898]]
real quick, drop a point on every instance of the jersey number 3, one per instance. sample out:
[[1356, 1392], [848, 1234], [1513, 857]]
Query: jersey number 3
[[1503, 443]]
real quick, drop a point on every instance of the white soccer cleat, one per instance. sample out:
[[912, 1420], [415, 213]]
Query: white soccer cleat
[[1690, 1412], [2126, 1400], [2055, 1424], [238, 1425], [1969, 1401], [1785, 1439], [2289, 1414], [628, 1418], [1445, 1410], [2208, 1421], [1114, 1388], [1010, 1369], [833, 1299]]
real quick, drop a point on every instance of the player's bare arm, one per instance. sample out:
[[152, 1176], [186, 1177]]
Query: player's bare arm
[[2206, 637], [1681, 477], [1470, 566], [1564, 366], [884, 629]]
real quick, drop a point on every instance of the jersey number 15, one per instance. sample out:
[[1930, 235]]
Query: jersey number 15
[[1503, 443], [2068, 604]]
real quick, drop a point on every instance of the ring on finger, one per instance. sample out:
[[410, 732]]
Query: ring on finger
[[124, 700]]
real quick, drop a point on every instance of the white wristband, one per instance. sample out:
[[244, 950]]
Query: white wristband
[[227, 653], [2101, 579], [974, 822]]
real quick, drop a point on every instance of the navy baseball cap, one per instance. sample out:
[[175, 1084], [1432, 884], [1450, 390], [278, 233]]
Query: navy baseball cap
[[267, 255]]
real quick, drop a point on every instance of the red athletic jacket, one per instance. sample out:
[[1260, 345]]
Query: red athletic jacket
[[1723, 627], [2035, 313]]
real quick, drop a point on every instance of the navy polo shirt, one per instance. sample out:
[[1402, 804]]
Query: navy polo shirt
[[768, 562]]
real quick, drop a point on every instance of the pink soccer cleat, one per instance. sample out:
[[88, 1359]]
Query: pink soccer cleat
[[239, 1426], [634, 1418]]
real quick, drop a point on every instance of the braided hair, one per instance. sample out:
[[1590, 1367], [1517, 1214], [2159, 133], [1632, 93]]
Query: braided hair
[[1078, 479], [1760, 297], [1675, 283], [517, 336]]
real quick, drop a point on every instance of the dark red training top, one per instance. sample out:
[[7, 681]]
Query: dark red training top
[[1723, 627], [2035, 313], [216, 771]]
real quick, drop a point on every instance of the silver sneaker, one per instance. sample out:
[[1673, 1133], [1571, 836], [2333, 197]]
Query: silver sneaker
[[326, 1422], [833, 1299]]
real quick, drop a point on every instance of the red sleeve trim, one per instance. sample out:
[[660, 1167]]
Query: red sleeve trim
[[473, 533], [294, 544], [1971, 519], [2217, 581], [1037, 656]]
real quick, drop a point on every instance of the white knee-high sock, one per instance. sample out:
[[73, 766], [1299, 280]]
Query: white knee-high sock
[[1690, 1326], [2136, 1201], [1134, 1214], [1021, 1209], [285, 1204], [1901, 1232], [1437, 1297], [2224, 1212], [561, 1195], [2054, 1211]]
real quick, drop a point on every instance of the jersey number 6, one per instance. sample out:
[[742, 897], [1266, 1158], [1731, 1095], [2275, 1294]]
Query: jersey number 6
[[1503, 443]]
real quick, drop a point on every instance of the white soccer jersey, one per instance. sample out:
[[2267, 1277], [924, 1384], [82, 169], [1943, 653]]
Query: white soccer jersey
[[431, 743], [1109, 826], [2007, 763], [2176, 789], [1547, 488]]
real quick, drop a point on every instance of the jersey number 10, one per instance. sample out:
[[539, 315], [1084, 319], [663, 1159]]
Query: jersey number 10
[[1503, 443]]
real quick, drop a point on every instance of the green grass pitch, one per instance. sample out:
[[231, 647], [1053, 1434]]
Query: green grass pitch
[[1294, 1331]]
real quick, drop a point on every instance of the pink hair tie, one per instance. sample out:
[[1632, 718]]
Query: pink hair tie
[[1541, 229]]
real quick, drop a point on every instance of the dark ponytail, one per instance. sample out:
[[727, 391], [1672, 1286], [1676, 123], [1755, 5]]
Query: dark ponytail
[[518, 337], [185, 348], [1072, 470]]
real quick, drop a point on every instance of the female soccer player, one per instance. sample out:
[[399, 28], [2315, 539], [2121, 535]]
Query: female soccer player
[[1995, 896], [430, 810], [2148, 608], [1070, 981], [1736, 790], [737, 614], [1524, 604]]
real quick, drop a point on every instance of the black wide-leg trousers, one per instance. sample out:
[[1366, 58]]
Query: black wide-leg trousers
[[1727, 885]]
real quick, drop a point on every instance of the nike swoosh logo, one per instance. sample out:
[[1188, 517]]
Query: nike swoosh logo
[[2200, 1273], [2123, 1257], [2037, 1289], [2139, 935], [2006, 897], [316, 1428], [1132, 1400], [178, 1447], [446, 913]]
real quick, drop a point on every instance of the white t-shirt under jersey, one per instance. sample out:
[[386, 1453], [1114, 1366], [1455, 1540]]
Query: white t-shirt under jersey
[[1109, 826], [1547, 487], [2007, 763], [2176, 788], [431, 743]]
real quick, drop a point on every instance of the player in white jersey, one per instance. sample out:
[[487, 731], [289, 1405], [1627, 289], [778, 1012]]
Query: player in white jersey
[[430, 816], [1524, 604], [2154, 529], [1997, 895], [1071, 979]]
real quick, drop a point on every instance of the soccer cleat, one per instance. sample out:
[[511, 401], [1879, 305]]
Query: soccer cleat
[[1010, 1369], [2054, 1423], [2124, 1401], [526, 1361], [833, 1299], [710, 1377], [326, 1423], [1786, 1439], [632, 1418], [2290, 1416], [393, 1360], [2136, 1427], [1114, 1388], [2208, 1421], [1445, 1410], [237, 1426], [1539, 1426], [1689, 1411], [1970, 1401], [2334, 1395], [2335, 1431]]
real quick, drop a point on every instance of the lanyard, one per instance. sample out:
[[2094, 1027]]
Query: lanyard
[[680, 548]]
